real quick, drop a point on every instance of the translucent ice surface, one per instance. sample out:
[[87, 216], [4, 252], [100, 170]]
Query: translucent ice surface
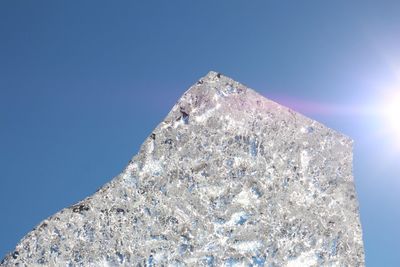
[[228, 178]]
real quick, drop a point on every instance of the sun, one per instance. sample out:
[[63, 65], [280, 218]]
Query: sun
[[390, 110]]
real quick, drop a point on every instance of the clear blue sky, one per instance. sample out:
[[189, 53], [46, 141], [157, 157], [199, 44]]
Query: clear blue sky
[[83, 83]]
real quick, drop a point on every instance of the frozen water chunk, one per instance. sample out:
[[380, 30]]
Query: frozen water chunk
[[228, 178]]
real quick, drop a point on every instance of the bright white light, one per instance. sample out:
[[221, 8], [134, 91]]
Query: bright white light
[[390, 110]]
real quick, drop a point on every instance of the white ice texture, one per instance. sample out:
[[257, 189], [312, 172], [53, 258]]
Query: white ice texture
[[228, 178]]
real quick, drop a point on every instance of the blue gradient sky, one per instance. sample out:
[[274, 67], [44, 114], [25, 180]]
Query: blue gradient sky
[[83, 83]]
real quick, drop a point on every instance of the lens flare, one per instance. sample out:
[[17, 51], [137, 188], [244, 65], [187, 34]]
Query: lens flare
[[390, 111]]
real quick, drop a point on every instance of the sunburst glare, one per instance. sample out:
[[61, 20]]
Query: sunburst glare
[[389, 110]]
